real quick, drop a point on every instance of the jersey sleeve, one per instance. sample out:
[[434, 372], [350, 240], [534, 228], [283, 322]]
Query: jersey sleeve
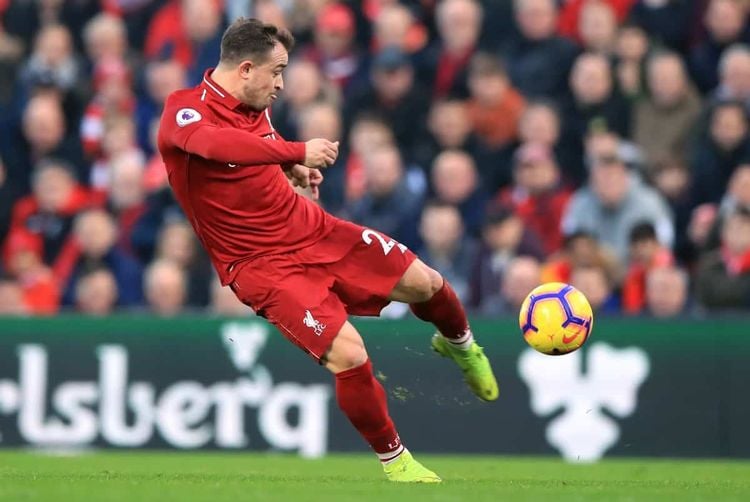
[[188, 127]]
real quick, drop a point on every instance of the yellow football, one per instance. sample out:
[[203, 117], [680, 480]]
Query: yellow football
[[556, 318]]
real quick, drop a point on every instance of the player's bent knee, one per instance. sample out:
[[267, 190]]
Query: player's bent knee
[[347, 351], [436, 281], [342, 359], [430, 283]]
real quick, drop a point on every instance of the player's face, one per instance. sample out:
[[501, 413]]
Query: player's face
[[264, 80]]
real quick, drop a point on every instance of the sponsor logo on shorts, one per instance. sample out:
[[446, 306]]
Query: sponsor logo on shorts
[[313, 323]]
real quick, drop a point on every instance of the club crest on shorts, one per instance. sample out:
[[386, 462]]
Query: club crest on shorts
[[313, 323], [187, 116]]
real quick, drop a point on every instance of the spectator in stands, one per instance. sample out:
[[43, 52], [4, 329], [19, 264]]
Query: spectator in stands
[[304, 85], [334, 50], [646, 254], [106, 40], [540, 123], [454, 180], [494, 107], [632, 48], [391, 204], [96, 292], [723, 277], [225, 303], [119, 140], [396, 26], [593, 100], [444, 63], [165, 288], [667, 292], [40, 293], [725, 23], [394, 95], [177, 244], [445, 246], [323, 120], [113, 98], [11, 297], [504, 237], [47, 215], [95, 236], [538, 196], [614, 201], [44, 134], [54, 62], [597, 27], [717, 156], [734, 74], [664, 121], [521, 276], [597, 286], [127, 198], [538, 59], [368, 133]]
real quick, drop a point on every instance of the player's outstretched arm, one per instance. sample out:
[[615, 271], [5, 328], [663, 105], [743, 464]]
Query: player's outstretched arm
[[186, 126], [231, 145]]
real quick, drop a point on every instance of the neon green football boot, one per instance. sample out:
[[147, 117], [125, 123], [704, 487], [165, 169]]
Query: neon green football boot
[[407, 470], [474, 365]]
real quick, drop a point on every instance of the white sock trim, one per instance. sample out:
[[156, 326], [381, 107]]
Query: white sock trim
[[389, 457], [463, 342]]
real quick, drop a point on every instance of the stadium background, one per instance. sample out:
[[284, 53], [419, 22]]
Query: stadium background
[[601, 143]]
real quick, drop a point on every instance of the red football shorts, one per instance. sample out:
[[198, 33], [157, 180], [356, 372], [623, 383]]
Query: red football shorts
[[308, 294]]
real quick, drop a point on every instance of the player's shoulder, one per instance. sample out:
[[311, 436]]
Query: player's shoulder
[[185, 98], [185, 107]]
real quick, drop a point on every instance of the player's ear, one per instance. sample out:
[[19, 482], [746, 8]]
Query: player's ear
[[245, 68]]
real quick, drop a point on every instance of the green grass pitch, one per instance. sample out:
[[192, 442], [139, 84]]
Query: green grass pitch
[[215, 477]]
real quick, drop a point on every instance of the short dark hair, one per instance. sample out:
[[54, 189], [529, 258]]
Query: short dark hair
[[642, 231], [246, 38]]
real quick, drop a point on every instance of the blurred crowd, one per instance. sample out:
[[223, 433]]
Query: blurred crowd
[[603, 143]]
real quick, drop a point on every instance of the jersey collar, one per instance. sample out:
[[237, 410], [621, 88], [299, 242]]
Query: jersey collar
[[209, 86]]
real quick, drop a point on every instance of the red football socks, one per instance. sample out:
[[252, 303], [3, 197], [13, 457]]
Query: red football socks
[[361, 397], [445, 311]]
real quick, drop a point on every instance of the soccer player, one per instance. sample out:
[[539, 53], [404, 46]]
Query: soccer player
[[296, 265]]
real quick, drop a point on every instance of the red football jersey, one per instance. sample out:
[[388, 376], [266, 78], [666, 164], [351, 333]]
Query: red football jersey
[[224, 166]]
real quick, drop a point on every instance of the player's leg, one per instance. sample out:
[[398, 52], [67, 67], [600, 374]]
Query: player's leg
[[363, 400], [432, 299]]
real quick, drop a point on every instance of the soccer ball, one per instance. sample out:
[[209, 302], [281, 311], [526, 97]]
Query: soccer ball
[[556, 318]]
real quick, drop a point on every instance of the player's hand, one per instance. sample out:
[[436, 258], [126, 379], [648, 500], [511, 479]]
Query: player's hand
[[320, 153], [316, 178]]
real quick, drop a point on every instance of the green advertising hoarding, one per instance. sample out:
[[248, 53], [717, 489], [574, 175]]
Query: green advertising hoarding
[[639, 387]]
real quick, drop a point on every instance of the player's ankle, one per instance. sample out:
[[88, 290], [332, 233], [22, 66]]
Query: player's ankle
[[464, 342], [390, 457]]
